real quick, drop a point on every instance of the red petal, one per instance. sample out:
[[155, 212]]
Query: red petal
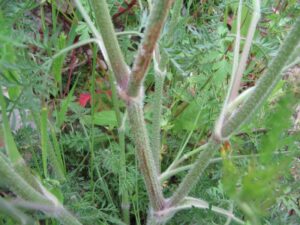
[[84, 98], [121, 9]]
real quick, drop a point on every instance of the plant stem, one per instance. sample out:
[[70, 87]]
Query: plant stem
[[238, 74], [11, 148], [154, 26], [167, 174], [159, 68], [144, 154], [16, 183], [93, 102], [190, 202], [73, 46], [125, 205], [21, 188], [10, 210], [160, 65], [177, 159], [121, 73], [195, 172], [115, 55], [94, 30], [235, 66], [157, 110], [174, 21], [265, 84], [187, 155], [263, 89]]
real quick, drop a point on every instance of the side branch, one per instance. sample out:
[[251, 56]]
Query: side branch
[[115, 55], [263, 89], [265, 84], [195, 172], [155, 24]]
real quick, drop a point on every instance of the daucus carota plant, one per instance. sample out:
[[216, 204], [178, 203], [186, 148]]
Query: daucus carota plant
[[130, 87], [237, 109]]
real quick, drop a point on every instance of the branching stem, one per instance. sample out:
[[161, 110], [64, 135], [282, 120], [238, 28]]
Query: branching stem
[[154, 26], [114, 53], [265, 84], [20, 187]]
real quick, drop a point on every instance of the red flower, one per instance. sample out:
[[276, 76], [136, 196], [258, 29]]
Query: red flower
[[84, 98]]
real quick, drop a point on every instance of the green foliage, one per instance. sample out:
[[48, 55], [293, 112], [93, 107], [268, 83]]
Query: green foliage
[[256, 187], [103, 118], [77, 151]]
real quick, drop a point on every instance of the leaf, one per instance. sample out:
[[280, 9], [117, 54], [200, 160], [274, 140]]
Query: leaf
[[187, 120], [83, 30], [61, 115], [103, 118], [246, 20], [222, 70], [57, 64]]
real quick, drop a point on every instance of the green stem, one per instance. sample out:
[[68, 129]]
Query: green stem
[[185, 157], [160, 65], [263, 89], [17, 184], [164, 176], [157, 110], [144, 154], [11, 148], [265, 85], [21, 188], [107, 31], [190, 202], [74, 46], [154, 26], [125, 205], [177, 159], [169, 173], [195, 172], [10, 210], [174, 21]]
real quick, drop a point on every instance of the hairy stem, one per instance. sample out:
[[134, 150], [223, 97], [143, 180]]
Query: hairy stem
[[262, 90], [144, 154], [167, 174], [10, 210], [154, 26], [265, 85], [159, 68], [21, 188], [115, 55], [174, 21], [157, 109], [190, 202], [195, 172]]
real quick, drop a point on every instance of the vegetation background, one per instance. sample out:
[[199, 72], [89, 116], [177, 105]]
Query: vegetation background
[[62, 111]]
